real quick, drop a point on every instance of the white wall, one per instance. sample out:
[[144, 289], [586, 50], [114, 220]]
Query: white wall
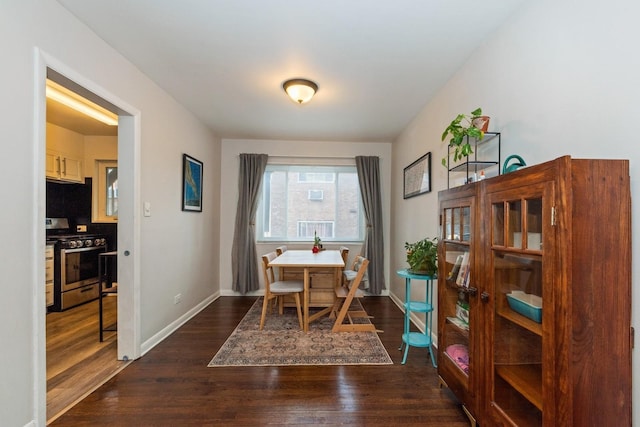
[[98, 148], [231, 149], [179, 250], [561, 77]]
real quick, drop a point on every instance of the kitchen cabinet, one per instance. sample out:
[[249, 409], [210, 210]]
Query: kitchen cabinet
[[49, 274], [548, 294], [62, 167]]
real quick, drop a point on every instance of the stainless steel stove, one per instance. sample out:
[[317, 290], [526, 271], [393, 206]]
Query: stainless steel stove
[[75, 264]]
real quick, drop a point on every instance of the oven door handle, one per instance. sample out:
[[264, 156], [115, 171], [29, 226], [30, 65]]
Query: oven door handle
[[90, 248]]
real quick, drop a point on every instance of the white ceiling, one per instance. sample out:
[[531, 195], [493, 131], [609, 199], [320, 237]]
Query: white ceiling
[[377, 63]]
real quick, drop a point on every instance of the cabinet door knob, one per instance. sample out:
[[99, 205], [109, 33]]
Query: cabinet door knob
[[484, 297], [472, 291]]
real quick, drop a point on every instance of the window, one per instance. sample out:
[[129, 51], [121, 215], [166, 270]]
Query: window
[[298, 201], [105, 191], [316, 195], [316, 177], [309, 229]]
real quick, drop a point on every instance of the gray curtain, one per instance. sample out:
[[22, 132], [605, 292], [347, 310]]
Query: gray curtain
[[243, 251], [373, 249]]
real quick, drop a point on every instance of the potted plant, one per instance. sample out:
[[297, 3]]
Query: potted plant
[[317, 243], [465, 125], [422, 256]]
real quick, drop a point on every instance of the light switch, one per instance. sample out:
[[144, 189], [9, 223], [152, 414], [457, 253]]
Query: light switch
[[146, 209]]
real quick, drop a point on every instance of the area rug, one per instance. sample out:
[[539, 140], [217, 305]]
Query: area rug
[[282, 343]]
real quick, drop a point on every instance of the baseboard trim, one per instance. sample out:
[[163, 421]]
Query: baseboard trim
[[175, 325]]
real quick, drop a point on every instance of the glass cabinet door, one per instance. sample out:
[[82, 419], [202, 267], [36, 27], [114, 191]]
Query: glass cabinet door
[[516, 282], [456, 319]]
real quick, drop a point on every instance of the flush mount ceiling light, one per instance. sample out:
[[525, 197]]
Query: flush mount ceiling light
[[300, 90], [71, 99]]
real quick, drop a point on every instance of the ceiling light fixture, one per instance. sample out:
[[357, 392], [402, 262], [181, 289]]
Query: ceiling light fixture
[[71, 99], [300, 90]]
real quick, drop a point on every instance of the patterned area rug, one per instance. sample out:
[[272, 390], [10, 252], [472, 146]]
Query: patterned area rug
[[282, 343]]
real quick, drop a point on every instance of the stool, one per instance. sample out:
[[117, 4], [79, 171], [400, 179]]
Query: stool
[[106, 264], [417, 339]]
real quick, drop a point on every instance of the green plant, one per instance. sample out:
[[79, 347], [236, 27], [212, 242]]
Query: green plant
[[461, 127], [316, 239], [422, 256]]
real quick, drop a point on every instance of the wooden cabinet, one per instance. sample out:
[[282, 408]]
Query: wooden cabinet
[[62, 167], [549, 295], [458, 321]]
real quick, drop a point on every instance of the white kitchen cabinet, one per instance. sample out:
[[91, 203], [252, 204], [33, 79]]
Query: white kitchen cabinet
[[49, 274], [62, 167]]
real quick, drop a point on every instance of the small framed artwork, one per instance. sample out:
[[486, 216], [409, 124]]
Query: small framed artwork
[[417, 177], [191, 184]]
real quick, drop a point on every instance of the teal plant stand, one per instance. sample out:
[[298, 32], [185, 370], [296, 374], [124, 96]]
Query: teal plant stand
[[417, 339]]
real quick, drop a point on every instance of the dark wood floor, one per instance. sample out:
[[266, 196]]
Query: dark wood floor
[[172, 385]]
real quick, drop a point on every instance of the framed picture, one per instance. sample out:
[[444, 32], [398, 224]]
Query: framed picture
[[191, 184], [417, 177]]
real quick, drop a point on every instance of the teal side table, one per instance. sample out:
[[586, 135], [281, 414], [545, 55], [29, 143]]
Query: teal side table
[[417, 339]]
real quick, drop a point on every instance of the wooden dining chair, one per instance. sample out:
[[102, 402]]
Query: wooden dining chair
[[350, 274], [344, 253], [278, 288], [279, 251], [345, 293]]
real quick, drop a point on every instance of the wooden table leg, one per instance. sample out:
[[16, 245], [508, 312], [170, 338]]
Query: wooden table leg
[[305, 314]]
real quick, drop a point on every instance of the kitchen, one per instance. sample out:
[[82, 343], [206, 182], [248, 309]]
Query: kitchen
[[81, 227]]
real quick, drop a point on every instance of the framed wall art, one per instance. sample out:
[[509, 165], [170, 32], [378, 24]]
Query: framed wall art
[[417, 177], [191, 184]]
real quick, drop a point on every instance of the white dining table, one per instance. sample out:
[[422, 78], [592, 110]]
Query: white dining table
[[307, 260]]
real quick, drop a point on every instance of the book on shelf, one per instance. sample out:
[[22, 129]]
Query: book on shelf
[[459, 323], [463, 273], [453, 274]]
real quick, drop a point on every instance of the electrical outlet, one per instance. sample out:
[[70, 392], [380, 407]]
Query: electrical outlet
[[177, 298]]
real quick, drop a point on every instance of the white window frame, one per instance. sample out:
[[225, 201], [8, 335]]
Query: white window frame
[[264, 232], [99, 192]]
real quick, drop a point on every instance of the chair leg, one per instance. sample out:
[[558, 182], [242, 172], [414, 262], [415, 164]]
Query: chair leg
[[280, 304], [265, 307], [297, 297]]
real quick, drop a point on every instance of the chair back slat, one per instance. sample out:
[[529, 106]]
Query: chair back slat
[[344, 253], [269, 277]]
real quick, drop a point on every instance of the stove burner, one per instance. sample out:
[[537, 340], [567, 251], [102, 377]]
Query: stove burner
[[79, 241], [58, 232]]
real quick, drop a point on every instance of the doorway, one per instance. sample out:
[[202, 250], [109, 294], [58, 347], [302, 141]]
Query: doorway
[[128, 347]]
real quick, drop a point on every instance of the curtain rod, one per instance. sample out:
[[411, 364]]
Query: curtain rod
[[312, 157], [312, 161]]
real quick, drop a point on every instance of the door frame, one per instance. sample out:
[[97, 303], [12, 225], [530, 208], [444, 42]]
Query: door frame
[[129, 346]]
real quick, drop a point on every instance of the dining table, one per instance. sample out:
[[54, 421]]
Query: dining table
[[308, 260]]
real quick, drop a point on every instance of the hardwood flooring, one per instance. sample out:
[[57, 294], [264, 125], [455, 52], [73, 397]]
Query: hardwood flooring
[[172, 386], [77, 362]]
